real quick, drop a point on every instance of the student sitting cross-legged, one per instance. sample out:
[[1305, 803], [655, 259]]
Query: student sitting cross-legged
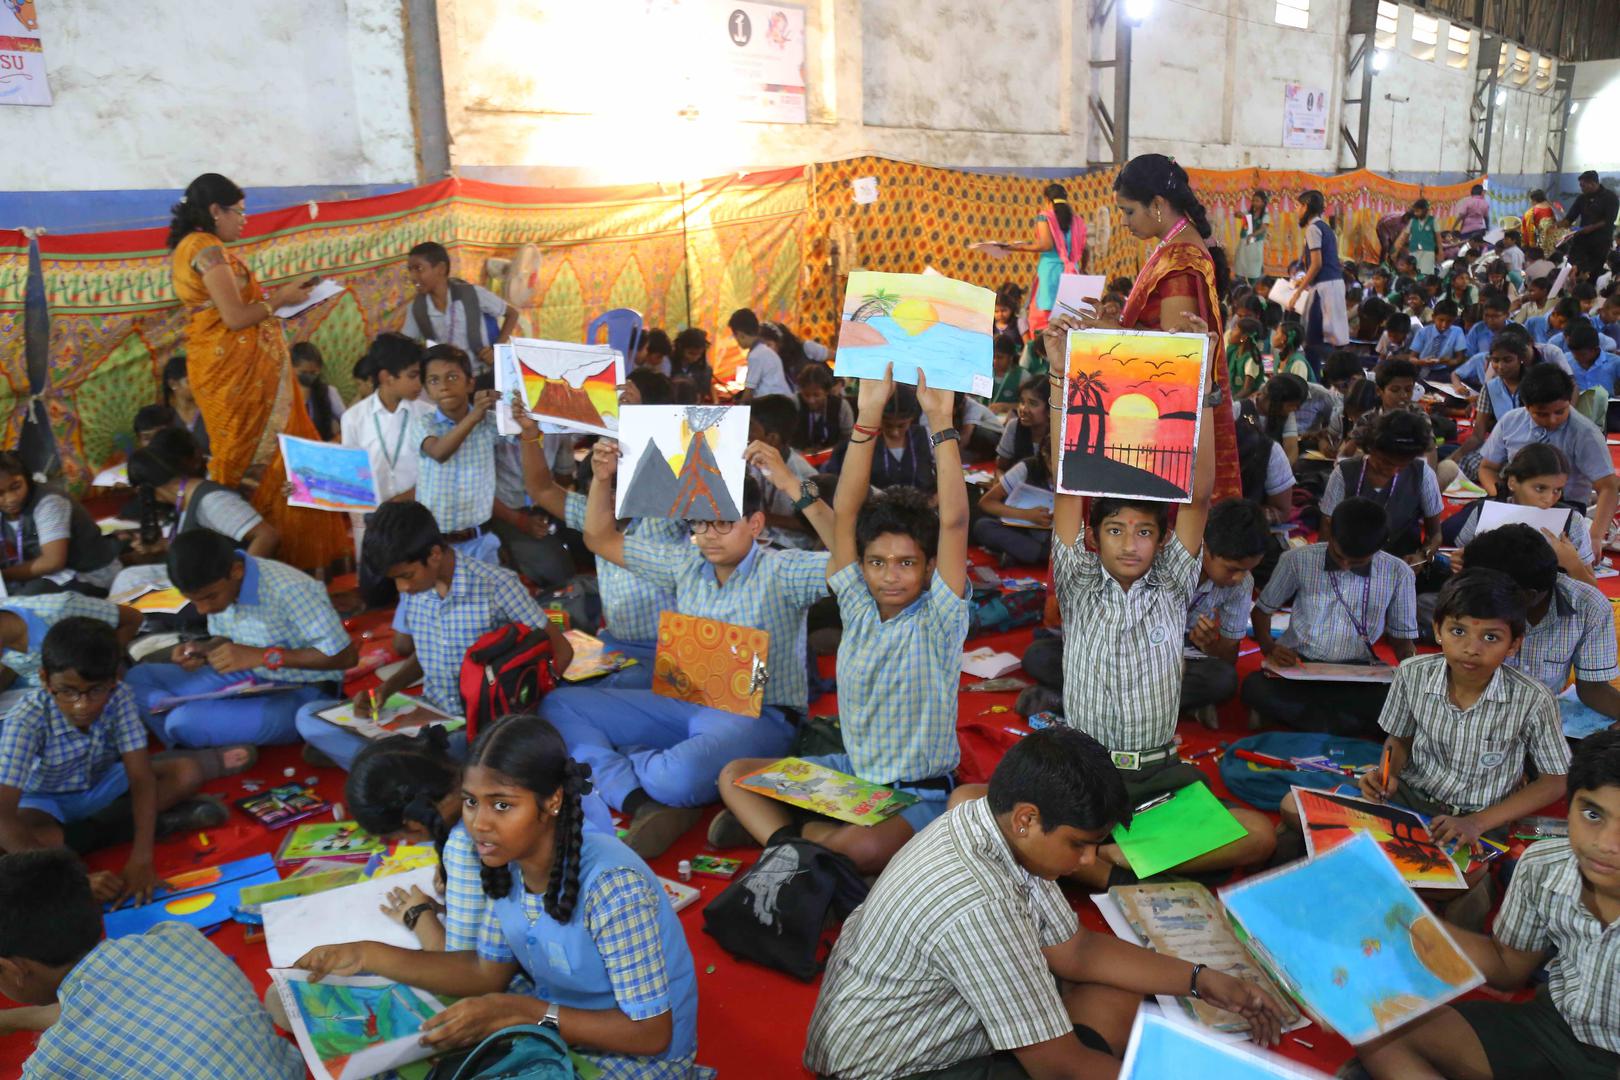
[[447, 601], [967, 961], [269, 623], [74, 747], [1561, 912], [899, 571], [1235, 541], [163, 1003], [1346, 595], [571, 907], [1125, 615], [657, 758]]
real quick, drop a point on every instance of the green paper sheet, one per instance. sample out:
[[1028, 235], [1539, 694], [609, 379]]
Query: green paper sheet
[[1192, 823]]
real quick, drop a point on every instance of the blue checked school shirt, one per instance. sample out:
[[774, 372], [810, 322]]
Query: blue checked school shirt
[[165, 1003], [1577, 437], [769, 590], [1338, 614], [1577, 632], [461, 491], [464, 899], [39, 614], [898, 680], [281, 607], [482, 598], [1228, 605], [631, 603], [42, 751]]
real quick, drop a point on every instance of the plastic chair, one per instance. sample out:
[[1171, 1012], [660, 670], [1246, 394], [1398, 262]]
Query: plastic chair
[[622, 329]]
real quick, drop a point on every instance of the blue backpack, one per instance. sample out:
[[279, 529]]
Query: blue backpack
[[1264, 788], [519, 1052]]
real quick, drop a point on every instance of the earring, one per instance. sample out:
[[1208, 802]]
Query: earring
[[1023, 832], [1158, 213], [556, 812]]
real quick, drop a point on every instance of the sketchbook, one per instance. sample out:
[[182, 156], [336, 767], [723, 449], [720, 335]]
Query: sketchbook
[[592, 659], [826, 791], [1028, 497], [246, 688], [711, 663], [296, 925], [401, 714], [1330, 819], [1313, 671], [1350, 940], [323, 290], [328, 840], [1161, 1046], [1183, 919], [349, 1027]]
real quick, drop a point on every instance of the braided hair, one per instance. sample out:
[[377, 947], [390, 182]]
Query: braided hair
[[400, 779], [529, 750], [1149, 176]]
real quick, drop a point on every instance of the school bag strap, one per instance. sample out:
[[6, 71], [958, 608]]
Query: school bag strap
[[507, 670], [472, 315], [518, 1052]]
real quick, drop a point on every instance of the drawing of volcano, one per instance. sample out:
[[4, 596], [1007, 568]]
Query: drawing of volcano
[[702, 495], [653, 488], [558, 399]]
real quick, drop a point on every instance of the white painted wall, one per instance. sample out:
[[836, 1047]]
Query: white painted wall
[[1593, 129], [962, 82], [149, 95]]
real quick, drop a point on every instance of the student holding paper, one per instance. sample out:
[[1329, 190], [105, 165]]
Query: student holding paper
[[1392, 472], [1535, 480], [1024, 494], [1000, 979], [899, 571], [269, 624], [1346, 593], [1560, 912], [456, 476]]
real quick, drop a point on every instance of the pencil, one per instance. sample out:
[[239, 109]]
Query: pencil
[[1383, 775]]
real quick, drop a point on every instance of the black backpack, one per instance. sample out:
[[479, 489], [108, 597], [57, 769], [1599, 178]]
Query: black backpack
[[777, 913]]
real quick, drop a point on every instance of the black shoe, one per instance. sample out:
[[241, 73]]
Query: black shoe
[[655, 827], [200, 812]]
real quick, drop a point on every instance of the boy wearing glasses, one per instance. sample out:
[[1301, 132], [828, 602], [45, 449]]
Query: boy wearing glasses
[[76, 745], [456, 478], [653, 757]]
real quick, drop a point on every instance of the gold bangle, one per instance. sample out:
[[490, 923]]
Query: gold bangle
[[269, 311], [537, 438]]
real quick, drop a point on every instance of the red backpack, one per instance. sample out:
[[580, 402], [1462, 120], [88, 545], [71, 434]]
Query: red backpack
[[506, 671]]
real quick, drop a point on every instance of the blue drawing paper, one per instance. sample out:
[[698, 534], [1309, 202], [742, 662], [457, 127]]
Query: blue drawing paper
[[1351, 939], [201, 904], [326, 476], [1161, 1047], [912, 321], [1580, 719]]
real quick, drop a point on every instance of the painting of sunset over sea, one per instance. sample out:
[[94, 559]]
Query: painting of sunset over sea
[[1130, 414]]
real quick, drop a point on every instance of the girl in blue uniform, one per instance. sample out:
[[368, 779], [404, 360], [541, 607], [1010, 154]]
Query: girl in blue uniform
[[574, 909]]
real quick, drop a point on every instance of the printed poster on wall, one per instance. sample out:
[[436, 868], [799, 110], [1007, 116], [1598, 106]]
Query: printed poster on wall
[[22, 56], [1305, 110], [765, 51]]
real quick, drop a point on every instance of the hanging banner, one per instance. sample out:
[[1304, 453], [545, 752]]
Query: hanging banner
[[765, 51], [1304, 117], [22, 57]]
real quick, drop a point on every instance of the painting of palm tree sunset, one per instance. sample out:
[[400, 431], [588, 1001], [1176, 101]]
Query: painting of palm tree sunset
[[1130, 413]]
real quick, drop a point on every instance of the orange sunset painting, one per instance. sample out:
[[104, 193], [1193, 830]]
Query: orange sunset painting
[[1130, 414]]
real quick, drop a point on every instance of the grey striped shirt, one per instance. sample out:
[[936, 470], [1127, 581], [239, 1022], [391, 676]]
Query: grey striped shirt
[[1543, 910], [943, 962], [1473, 758], [1122, 649], [1577, 631], [1330, 603]]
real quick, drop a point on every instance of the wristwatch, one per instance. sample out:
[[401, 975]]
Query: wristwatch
[[809, 492], [552, 1019], [948, 434], [412, 915], [273, 659]]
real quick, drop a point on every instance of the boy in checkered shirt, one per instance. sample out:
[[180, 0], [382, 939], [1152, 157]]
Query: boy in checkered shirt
[[899, 571], [1562, 911]]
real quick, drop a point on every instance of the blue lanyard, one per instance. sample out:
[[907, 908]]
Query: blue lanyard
[[1362, 624], [1394, 483], [179, 509]]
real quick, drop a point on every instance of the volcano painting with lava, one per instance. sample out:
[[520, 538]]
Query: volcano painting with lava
[[1130, 413], [682, 461], [917, 321], [562, 383]]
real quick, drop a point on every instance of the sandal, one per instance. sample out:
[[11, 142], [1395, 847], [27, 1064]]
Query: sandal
[[212, 761]]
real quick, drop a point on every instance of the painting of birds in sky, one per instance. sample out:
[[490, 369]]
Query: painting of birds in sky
[[1130, 412]]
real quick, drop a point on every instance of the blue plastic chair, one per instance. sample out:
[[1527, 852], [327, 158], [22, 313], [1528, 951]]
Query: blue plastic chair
[[622, 329]]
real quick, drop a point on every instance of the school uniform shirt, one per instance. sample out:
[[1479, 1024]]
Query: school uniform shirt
[[52, 514], [461, 491], [1606, 343], [780, 501], [1122, 652], [630, 603], [449, 327], [42, 751], [482, 597], [943, 961], [283, 608], [898, 680], [1543, 911], [1338, 614], [769, 590], [1577, 527], [1472, 371], [1580, 440], [1577, 631], [1496, 399], [223, 511], [1479, 337], [1227, 605], [1323, 409], [39, 614], [1472, 758], [1430, 344], [1017, 442], [1290, 424], [1603, 372], [765, 375], [162, 1003], [464, 897], [1429, 498], [386, 438]]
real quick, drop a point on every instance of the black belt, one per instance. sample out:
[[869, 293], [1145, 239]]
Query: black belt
[[933, 783], [461, 536]]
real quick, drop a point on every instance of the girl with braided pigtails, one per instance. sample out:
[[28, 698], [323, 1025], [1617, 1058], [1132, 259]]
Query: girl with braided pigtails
[[569, 906]]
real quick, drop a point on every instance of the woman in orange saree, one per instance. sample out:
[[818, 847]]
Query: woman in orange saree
[[240, 371]]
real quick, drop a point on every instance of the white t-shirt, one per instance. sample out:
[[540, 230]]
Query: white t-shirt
[[765, 371]]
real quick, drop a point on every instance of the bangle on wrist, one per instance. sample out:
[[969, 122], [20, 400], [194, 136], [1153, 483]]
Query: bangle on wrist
[[1192, 985]]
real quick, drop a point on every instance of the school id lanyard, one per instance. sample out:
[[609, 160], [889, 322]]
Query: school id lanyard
[[382, 441], [179, 509], [1364, 623], [1394, 484]]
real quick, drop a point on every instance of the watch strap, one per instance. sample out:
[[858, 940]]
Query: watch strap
[[949, 434], [553, 1017], [413, 915]]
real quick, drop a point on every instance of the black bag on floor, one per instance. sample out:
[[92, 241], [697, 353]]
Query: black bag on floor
[[778, 911]]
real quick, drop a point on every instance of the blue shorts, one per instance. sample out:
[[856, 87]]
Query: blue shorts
[[66, 806], [930, 802]]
